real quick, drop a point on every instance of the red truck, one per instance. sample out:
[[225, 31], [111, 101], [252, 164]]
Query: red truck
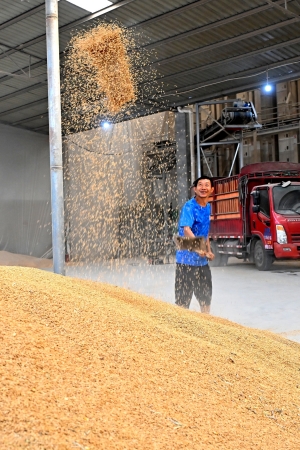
[[256, 215]]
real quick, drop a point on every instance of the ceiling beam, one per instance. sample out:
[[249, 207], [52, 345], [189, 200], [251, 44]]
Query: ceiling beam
[[22, 91], [19, 18], [260, 51], [65, 27], [3, 122], [210, 47], [173, 12], [287, 11], [29, 119], [165, 15], [39, 129], [210, 26], [164, 41], [22, 16], [22, 107], [36, 65], [245, 74], [207, 95], [11, 49]]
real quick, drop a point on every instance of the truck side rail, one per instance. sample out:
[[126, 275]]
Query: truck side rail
[[225, 200]]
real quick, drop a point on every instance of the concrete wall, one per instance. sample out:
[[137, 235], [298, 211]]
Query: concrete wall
[[288, 146], [25, 221]]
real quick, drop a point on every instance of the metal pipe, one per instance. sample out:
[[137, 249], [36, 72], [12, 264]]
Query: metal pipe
[[209, 144], [198, 141], [217, 102], [234, 158], [241, 152], [55, 139], [190, 112], [204, 157]]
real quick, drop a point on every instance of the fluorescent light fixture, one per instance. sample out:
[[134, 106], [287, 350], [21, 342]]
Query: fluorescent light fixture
[[91, 5]]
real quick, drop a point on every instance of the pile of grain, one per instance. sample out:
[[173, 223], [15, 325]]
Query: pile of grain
[[91, 366], [14, 259]]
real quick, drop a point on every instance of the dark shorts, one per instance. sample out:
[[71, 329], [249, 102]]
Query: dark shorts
[[191, 280]]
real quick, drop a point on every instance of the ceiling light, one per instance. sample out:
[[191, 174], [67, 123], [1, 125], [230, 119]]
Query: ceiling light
[[268, 87], [91, 5], [105, 125]]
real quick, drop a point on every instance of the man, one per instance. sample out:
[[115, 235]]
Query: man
[[193, 274]]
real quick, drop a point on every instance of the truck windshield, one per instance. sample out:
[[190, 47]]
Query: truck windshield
[[287, 200]]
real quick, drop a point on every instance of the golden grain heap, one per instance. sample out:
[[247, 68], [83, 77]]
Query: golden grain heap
[[91, 366]]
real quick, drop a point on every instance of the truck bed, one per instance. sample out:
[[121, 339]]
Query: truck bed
[[226, 210]]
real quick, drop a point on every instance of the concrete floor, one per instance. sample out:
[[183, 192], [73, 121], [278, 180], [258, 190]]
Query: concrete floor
[[242, 294]]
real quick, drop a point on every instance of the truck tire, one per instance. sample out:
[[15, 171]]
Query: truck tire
[[262, 259], [219, 259]]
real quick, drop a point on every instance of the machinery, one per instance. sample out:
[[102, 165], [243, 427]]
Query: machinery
[[233, 118], [256, 214], [236, 116]]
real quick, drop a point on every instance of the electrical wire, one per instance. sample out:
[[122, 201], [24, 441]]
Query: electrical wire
[[228, 79]]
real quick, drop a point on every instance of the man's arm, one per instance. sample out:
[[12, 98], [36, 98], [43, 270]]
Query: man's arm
[[209, 253], [188, 232]]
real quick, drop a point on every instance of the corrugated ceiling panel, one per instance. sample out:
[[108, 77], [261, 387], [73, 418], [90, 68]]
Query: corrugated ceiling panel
[[11, 9], [18, 101], [136, 12], [36, 122], [24, 114], [196, 43]]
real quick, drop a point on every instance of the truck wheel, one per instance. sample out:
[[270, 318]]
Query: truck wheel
[[262, 260], [219, 259]]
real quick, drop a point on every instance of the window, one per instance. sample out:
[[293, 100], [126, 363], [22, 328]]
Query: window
[[264, 202], [287, 200]]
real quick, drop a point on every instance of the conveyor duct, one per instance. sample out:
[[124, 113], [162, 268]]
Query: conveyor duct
[[233, 118]]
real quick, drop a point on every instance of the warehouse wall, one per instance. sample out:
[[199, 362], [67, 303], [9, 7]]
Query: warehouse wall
[[25, 221]]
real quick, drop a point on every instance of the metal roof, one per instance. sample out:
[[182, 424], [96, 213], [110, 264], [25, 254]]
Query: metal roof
[[201, 49]]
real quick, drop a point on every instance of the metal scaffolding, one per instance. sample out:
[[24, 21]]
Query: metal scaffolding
[[234, 119]]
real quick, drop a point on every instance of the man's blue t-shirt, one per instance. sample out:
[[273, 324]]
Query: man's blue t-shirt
[[197, 218]]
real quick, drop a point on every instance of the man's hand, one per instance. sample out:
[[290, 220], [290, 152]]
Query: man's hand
[[210, 256]]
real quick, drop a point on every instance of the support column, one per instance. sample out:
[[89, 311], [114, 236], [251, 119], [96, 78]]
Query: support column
[[55, 140], [183, 162], [241, 149], [198, 142]]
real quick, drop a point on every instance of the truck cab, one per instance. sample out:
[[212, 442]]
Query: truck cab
[[274, 223], [255, 215]]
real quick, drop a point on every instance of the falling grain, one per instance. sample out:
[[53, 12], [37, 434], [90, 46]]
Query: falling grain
[[110, 212], [105, 49]]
